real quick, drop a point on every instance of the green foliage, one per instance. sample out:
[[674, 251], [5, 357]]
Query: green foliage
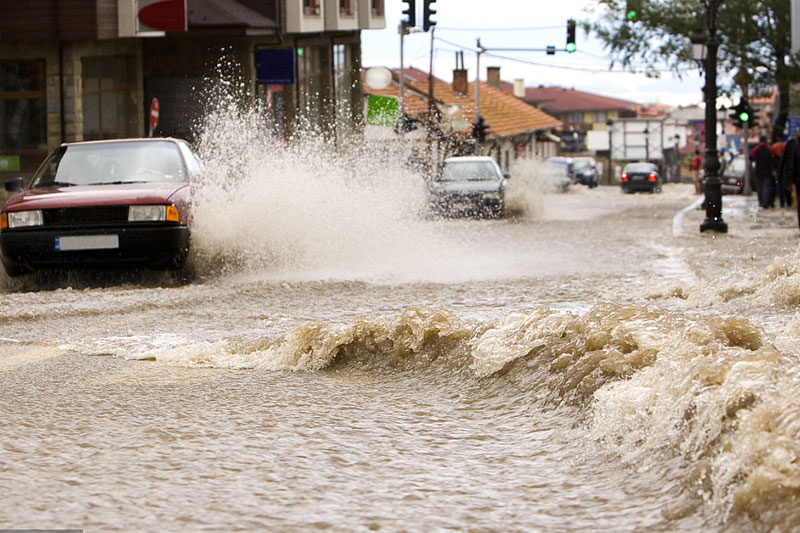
[[754, 35]]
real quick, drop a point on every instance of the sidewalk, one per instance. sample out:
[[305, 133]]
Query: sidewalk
[[742, 214]]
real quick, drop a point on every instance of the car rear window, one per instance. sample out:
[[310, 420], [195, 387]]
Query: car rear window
[[103, 163], [468, 171]]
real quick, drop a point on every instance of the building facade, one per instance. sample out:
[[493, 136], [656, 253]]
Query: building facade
[[74, 70]]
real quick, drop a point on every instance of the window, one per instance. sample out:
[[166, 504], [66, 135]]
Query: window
[[345, 7], [600, 116], [108, 105], [576, 117], [311, 7], [377, 8], [23, 109], [343, 83], [309, 83]]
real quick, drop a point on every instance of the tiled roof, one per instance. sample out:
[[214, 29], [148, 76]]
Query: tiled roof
[[505, 114], [561, 100]]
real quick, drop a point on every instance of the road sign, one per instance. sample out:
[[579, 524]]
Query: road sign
[[154, 109]]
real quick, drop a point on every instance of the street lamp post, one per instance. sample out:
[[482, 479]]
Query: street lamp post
[[713, 185]]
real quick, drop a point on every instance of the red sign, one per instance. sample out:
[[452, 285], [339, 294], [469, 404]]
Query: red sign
[[153, 114], [165, 15]]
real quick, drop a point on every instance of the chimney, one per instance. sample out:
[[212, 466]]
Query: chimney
[[460, 84], [519, 88], [493, 77]]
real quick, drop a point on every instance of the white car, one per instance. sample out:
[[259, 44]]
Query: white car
[[470, 185]]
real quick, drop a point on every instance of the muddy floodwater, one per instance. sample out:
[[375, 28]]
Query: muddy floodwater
[[591, 362]]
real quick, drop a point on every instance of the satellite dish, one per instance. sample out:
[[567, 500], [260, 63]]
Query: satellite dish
[[378, 78]]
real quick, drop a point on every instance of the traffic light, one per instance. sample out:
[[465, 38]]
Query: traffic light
[[734, 116], [427, 11], [571, 36], [481, 129], [411, 11], [743, 114], [633, 8], [752, 115]]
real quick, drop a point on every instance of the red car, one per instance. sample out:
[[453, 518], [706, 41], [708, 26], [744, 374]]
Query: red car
[[117, 203]]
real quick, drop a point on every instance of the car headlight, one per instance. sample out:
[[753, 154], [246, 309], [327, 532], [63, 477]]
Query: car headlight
[[153, 213], [22, 219]]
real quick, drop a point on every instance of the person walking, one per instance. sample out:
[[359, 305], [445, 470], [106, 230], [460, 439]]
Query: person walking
[[764, 159], [783, 184], [697, 163], [789, 168]]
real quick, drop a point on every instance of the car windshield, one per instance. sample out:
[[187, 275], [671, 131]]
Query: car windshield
[[118, 162], [582, 164], [468, 171], [640, 167]]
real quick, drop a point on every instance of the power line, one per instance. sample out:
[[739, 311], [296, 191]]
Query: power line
[[640, 69], [502, 29]]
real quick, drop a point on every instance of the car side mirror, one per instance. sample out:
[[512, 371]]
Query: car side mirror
[[506, 175], [14, 185]]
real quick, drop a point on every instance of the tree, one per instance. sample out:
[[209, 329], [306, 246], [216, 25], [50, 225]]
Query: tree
[[755, 42]]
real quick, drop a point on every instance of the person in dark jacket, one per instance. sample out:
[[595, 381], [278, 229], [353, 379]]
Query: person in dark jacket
[[789, 167], [764, 159]]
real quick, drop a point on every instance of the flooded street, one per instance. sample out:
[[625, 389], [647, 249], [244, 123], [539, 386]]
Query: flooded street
[[590, 362]]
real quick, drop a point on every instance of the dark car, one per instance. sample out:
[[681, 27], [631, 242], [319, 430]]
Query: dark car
[[469, 185], [732, 177], [102, 203], [640, 176], [584, 171]]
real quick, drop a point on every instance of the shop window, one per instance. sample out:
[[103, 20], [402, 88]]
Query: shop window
[[343, 83], [108, 105], [23, 109], [309, 84]]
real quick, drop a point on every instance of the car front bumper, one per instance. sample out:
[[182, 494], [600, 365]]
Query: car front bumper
[[472, 204], [29, 249]]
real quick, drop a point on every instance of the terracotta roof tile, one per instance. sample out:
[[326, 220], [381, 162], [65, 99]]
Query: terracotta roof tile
[[505, 114], [561, 99]]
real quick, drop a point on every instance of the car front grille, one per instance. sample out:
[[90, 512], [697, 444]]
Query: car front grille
[[85, 216]]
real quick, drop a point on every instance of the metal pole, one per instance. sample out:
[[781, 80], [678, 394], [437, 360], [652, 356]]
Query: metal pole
[[713, 187], [748, 179], [478, 82], [402, 75]]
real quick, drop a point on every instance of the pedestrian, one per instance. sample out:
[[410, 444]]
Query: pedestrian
[[764, 159], [782, 181], [697, 162], [789, 168]]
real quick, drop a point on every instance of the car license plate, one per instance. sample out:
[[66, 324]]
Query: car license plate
[[87, 242]]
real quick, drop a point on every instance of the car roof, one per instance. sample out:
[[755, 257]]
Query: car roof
[[117, 141], [469, 158]]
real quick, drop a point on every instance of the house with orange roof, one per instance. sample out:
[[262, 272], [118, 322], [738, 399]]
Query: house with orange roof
[[448, 110]]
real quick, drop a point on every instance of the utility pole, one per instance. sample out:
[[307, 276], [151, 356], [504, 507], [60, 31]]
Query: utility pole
[[478, 80], [403, 29]]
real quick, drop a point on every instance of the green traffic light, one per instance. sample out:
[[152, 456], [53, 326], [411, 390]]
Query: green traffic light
[[571, 47], [744, 116], [631, 15]]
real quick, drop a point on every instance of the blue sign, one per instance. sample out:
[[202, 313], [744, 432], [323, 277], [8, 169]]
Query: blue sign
[[275, 66], [792, 125]]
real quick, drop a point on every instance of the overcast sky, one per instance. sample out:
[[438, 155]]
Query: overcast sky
[[521, 24]]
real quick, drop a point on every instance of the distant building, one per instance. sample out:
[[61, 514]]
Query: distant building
[[517, 130], [73, 71]]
